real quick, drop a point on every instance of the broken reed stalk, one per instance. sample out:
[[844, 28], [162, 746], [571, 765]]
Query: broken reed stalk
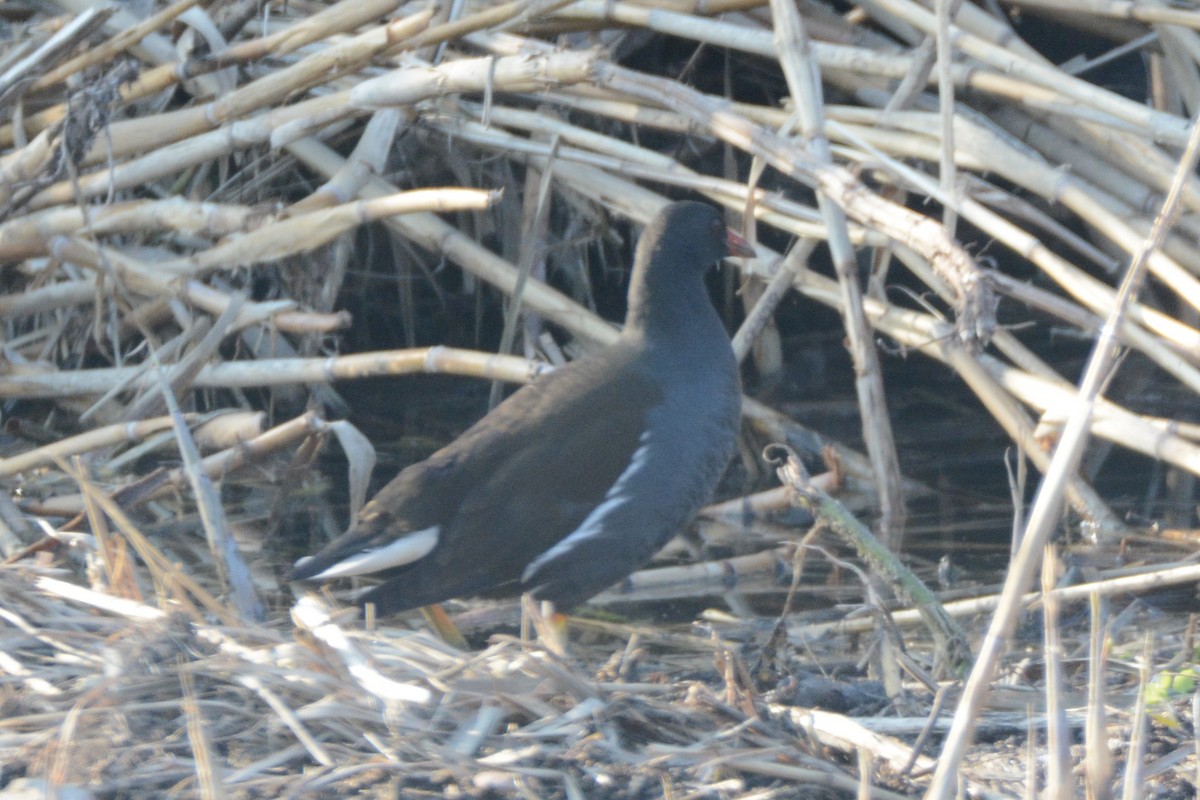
[[804, 83], [952, 647], [94, 439], [1048, 502], [284, 371]]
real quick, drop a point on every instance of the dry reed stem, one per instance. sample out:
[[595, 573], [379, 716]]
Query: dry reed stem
[[765, 571], [159, 78], [273, 372], [1047, 505], [95, 439], [804, 83], [208, 771], [175, 587], [369, 158], [975, 306], [113, 46], [437, 236], [1059, 783], [141, 277], [1098, 767], [308, 231], [1134, 778], [136, 135], [215, 466], [55, 47], [1153, 15], [29, 235], [341, 17], [232, 572], [953, 650], [1104, 223], [1034, 177], [314, 620]]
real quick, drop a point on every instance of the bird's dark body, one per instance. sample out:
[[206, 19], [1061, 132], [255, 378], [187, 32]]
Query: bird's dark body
[[578, 479]]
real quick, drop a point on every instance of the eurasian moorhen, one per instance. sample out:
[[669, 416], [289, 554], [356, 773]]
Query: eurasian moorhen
[[576, 480]]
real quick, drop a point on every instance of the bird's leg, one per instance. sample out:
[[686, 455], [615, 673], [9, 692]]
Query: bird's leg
[[444, 627], [551, 627]]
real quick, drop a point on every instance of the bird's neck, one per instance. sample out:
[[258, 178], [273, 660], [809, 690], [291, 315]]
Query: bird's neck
[[686, 314]]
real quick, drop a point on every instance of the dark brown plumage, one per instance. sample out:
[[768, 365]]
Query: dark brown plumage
[[578, 479]]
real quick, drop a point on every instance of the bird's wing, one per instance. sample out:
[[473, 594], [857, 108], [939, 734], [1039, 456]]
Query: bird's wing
[[672, 472], [548, 481], [480, 485]]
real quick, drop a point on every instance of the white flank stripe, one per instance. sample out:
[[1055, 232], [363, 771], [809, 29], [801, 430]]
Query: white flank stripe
[[593, 525], [404, 550]]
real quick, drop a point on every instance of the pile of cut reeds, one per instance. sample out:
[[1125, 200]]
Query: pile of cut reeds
[[190, 192]]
